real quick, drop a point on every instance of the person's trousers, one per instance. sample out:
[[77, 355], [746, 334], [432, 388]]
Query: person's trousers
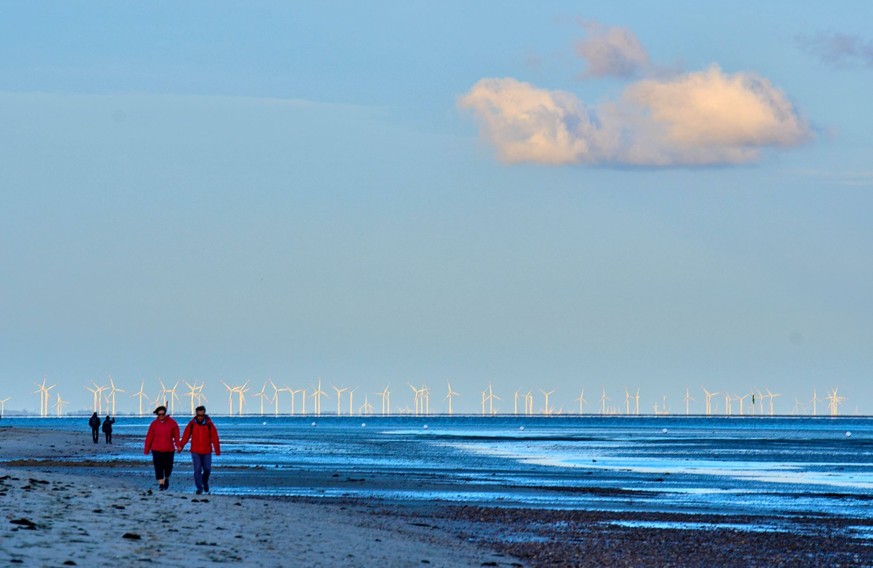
[[95, 435], [202, 468], [108, 437], [163, 464]]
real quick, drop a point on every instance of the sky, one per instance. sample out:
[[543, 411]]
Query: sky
[[551, 195]]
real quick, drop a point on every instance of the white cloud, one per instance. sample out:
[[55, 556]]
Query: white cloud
[[611, 51], [528, 124], [701, 118]]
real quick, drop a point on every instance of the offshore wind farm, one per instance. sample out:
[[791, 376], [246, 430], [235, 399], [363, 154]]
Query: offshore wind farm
[[271, 399]]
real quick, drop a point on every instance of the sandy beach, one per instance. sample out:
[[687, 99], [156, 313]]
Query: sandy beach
[[82, 513], [66, 501]]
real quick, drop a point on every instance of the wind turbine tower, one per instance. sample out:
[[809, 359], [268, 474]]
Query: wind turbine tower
[[450, 396], [687, 400], [581, 401]]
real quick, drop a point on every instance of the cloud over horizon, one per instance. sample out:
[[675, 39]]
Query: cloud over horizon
[[698, 118]]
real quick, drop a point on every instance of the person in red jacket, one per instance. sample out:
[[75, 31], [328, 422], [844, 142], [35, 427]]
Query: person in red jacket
[[161, 441], [204, 438]]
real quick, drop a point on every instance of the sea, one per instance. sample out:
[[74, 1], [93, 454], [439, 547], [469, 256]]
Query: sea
[[762, 466]]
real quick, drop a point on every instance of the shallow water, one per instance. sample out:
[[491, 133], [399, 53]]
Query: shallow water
[[742, 466]]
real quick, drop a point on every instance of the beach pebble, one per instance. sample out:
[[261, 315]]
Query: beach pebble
[[131, 536]]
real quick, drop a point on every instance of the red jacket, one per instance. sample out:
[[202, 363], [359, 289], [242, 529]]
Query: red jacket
[[162, 436], [203, 436]]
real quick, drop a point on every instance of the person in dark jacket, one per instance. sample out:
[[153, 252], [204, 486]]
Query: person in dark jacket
[[107, 428], [94, 423], [162, 440], [204, 438]]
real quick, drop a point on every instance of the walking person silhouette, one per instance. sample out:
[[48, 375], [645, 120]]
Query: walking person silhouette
[[161, 440], [94, 423]]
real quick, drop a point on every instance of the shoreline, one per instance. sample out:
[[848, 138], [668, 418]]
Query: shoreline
[[312, 531]]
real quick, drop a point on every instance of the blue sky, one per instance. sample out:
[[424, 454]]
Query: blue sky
[[244, 191]]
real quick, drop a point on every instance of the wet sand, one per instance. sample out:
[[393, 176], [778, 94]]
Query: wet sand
[[80, 508]]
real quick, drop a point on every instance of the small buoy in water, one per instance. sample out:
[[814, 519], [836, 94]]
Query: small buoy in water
[[363, 424], [521, 427], [848, 434], [425, 426], [264, 423], [664, 431], [313, 423]]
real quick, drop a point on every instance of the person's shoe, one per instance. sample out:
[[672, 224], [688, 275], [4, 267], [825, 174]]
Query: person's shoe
[[199, 492], [167, 483], [206, 487], [162, 487]]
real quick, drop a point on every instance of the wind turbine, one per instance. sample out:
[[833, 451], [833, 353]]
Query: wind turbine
[[366, 408], [339, 397], [771, 396], [425, 397], [742, 399], [3, 405], [637, 397], [451, 395], [709, 396], [546, 395], [192, 394], [60, 405], [627, 398], [112, 390], [43, 396], [528, 403], [201, 398], [385, 395], [491, 397], [262, 395], [417, 399], [687, 399], [814, 400], [351, 399], [727, 403], [275, 398], [173, 397], [581, 400], [241, 396], [316, 395], [230, 391], [834, 401], [603, 399]]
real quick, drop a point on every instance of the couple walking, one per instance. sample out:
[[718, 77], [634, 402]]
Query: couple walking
[[94, 423], [163, 442]]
